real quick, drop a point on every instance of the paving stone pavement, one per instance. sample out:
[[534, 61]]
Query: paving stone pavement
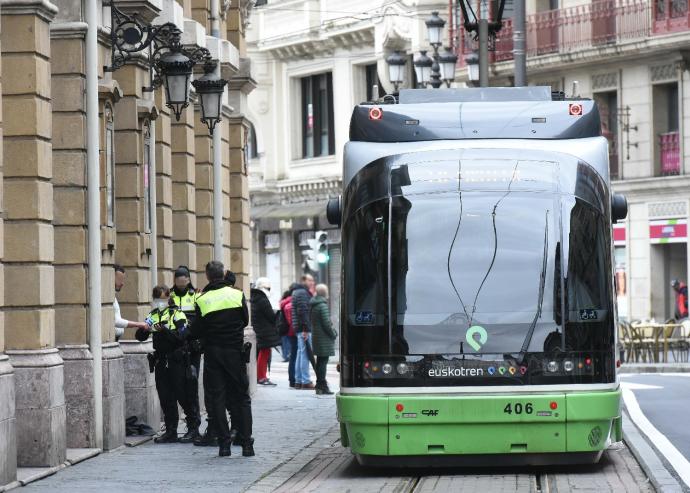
[[285, 422]]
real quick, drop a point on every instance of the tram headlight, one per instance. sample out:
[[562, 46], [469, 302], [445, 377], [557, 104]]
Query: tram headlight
[[568, 365], [552, 366], [402, 368], [387, 368]]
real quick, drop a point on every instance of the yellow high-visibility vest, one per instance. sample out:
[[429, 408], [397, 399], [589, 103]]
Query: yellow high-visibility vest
[[219, 299]]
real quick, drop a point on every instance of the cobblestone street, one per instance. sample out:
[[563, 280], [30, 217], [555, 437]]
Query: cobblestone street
[[285, 422]]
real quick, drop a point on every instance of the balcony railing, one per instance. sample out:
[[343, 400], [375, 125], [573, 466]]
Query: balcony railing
[[599, 23], [669, 150], [670, 16]]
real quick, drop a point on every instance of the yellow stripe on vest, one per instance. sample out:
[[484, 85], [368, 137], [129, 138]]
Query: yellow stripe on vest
[[219, 299]]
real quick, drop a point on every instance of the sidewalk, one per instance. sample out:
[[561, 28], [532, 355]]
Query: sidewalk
[[285, 422], [655, 368]]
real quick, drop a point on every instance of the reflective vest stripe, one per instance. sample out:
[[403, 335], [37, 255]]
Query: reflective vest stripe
[[185, 302], [157, 317], [219, 299]]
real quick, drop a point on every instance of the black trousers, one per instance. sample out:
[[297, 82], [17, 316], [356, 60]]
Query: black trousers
[[174, 379], [209, 406], [228, 383], [321, 368]]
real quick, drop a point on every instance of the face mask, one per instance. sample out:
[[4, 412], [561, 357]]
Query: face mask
[[160, 304]]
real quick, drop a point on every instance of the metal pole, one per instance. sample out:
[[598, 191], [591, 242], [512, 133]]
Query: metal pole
[[94, 215], [519, 51], [483, 53], [152, 199], [217, 156], [435, 70]]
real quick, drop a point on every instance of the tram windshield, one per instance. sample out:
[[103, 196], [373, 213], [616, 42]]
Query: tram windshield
[[487, 257]]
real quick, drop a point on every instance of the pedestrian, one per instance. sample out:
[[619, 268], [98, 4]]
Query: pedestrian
[[323, 336], [283, 327], [183, 296], [302, 324], [264, 324], [222, 315], [286, 309], [120, 323], [230, 278], [681, 290], [171, 364]]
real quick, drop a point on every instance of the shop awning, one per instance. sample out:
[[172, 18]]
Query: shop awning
[[287, 211]]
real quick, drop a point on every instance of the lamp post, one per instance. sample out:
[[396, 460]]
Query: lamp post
[[170, 64], [430, 70], [210, 89], [396, 68], [472, 61]]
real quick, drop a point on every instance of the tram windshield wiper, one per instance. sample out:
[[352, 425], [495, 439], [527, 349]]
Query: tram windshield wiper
[[542, 282]]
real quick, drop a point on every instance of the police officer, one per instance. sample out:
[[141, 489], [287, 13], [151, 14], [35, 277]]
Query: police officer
[[183, 296], [171, 364], [222, 316]]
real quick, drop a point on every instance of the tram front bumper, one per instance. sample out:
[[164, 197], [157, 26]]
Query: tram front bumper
[[485, 424]]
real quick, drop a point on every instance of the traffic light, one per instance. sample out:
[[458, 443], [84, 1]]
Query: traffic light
[[322, 256]]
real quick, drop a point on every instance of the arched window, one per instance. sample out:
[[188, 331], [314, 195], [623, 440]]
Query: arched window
[[252, 146], [109, 165]]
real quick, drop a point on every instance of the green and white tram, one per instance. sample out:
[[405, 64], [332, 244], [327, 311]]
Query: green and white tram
[[478, 321]]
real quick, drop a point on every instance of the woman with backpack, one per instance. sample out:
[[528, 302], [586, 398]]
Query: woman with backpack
[[285, 325]]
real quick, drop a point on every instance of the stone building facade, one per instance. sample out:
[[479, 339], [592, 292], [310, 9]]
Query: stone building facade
[[156, 189], [313, 61]]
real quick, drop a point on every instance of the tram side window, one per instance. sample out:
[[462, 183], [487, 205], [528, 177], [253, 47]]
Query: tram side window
[[588, 284], [365, 277]]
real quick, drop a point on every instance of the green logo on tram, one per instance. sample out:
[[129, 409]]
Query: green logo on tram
[[476, 330]]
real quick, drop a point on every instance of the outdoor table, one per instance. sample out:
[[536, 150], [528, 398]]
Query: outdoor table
[[657, 332]]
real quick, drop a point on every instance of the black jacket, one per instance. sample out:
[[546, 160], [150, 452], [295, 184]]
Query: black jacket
[[264, 321], [301, 320], [224, 328]]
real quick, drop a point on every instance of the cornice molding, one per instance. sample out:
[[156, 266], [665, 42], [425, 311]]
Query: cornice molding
[[42, 8]]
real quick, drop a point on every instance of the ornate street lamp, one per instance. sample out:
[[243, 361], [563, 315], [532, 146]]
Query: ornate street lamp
[[472, 61], [396, 68], [170, 63], [447, 60], [210, 89], [422, 68], [176, 70], [434, 28]]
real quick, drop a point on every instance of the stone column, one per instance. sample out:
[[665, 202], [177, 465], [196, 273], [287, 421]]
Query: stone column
[[203, 156], [28, 241], [201, 11], [183, 193], [8, 435], [164, 201]]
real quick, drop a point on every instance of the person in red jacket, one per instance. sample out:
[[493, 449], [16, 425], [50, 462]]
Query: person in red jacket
[[681, 299], [286, 308]]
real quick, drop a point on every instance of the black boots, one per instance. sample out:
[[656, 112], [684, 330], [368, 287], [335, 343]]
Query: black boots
[[170, 436], [224, 449], [248, 448], [208, 439], [192, 435], [322, 389]]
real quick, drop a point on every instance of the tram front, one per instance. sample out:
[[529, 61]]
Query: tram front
[[477, 309]]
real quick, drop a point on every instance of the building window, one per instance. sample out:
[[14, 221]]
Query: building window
[[252, 145], [318, 135], [372, 79], [666, 123], [148, 179], [109, 166], [608, 109]]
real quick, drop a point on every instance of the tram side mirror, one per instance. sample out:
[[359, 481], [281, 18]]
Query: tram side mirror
[[334, 212], [619, 207]]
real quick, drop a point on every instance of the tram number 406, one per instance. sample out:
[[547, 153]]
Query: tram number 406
[[518, 408]]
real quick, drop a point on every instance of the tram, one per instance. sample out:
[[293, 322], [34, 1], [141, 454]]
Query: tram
[[478, 323]]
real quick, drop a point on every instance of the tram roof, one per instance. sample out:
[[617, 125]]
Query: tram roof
[[475, 113]]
